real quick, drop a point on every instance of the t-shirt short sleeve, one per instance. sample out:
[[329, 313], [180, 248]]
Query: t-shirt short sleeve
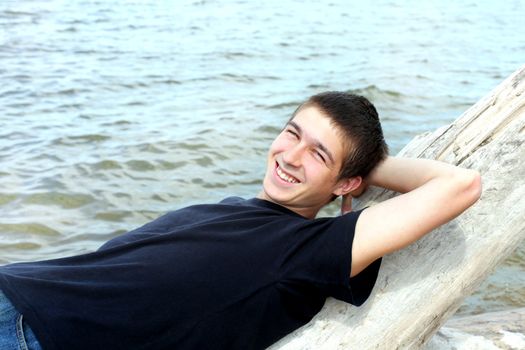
[[321, 256]]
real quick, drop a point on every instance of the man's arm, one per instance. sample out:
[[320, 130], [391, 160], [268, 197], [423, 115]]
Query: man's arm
[[433, 194]]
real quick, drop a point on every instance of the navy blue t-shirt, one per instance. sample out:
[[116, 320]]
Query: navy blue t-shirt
[[240, 274]]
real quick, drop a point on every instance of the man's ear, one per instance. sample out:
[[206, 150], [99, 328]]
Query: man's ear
[[345, 186]]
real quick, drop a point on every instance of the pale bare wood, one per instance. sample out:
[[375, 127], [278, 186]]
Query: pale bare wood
[[423, 285], [500, 330]]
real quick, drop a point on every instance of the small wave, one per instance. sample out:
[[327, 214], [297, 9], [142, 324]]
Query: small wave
[[80, 139], [218, 155], [73, 239], [6, 198], [66, 92], [229, 172], [75, 21], [122, 195], [116, 216], [108, 58], [139, 165], [422, 77], [450, 104], [29, 228], [249, 182], [150, 148], [22, 78], [214, 185], [168, 82], [136, 103], [133, 85], [70, 92], [270, 77], [319, 86], [12, 13], [10, 93], [68, 30], [235, 54], [115, 123], [287, 105], [376, 94], [199, 79], [158, 198], [205, 131], [192, 146], [49, 158], [69, 106], [64, 200], [171, 165], [237, 78], [17, 135], [106, 165], [268, 129], [21, 246], [204, 161], [137, 178], [19, 105]]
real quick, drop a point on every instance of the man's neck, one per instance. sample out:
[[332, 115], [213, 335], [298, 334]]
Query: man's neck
[[307, 212]]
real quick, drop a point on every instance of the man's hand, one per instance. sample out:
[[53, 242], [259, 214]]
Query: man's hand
[[346, 204]]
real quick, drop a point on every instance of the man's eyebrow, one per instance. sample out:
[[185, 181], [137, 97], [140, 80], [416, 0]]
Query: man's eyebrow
[[294, 124], [318, 143]]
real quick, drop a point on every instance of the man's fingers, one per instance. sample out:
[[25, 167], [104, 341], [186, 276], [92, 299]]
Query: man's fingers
[[346, 204]]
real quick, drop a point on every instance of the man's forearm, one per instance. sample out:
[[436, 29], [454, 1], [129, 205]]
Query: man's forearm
[[406, 174]]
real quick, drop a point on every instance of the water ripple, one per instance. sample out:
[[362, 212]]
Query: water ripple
[[64, 200], [28, 228]]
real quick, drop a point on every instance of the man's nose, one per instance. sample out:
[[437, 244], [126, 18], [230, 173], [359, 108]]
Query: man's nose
[[293, 155]]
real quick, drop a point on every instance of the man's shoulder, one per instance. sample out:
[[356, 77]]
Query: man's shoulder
[[235, 200]]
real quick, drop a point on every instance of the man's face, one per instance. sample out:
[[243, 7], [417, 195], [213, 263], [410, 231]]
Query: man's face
[[303, 163]]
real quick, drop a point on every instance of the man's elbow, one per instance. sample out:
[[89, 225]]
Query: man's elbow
[[471, 184]]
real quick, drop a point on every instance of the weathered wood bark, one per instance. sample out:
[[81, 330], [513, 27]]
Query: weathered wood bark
[[421, 286]]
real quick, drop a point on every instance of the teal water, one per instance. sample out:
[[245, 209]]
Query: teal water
[[112, 113]]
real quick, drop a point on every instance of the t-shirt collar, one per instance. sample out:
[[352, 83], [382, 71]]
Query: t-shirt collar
[[274, 206]]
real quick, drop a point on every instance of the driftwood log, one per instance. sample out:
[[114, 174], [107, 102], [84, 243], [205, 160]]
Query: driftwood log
[[421, 286], [500, 330]]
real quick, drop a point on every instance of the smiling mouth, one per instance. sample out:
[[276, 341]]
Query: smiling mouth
[[284, 176]]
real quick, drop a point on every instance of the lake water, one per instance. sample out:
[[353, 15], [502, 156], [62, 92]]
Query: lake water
[[112, 113]]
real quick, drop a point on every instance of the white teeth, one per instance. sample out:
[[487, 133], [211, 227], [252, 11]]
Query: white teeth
[[285, 177]]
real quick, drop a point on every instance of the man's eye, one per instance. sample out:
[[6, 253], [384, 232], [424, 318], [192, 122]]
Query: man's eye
[[293, 133], [320, 156]]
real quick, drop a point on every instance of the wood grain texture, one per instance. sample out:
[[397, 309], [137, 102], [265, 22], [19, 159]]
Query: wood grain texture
[[424, 284]]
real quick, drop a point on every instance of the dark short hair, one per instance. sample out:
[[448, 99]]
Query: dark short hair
[[356, 118]]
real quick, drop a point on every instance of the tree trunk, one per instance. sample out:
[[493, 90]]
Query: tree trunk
[[421, 286]]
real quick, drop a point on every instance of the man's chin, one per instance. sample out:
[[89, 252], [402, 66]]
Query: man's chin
[[277, 196]]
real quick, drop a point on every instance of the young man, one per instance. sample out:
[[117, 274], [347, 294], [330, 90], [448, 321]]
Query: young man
[[241, 274]]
